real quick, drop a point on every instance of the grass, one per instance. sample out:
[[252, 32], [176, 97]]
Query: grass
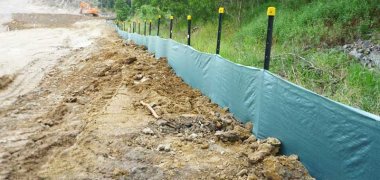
[[306, 40]]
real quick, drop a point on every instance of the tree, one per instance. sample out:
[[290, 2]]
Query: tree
[[123, 10]]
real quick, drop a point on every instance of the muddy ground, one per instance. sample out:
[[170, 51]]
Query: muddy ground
[[85, 109], [22, 21]]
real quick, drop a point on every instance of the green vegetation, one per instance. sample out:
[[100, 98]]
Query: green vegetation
[[307, 36]]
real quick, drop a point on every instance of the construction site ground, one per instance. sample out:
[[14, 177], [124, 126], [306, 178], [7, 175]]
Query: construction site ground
[[78, 102]]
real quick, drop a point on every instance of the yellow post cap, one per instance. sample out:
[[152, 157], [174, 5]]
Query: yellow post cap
[[150, 20], [271, 11], [188, 17], [159, 16], [171, 17], [221, 10]]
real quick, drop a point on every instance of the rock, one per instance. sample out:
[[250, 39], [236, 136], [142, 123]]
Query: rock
[[130, 60], [293, 157], [249, 126], [262, 151], [243, 172], [161, 122], [252, 177], [356, 54], [193, 136], [148, 131], [273, 141], [205, 146], [164, 147], [227, 120], [71, 100], [236, 134], [138, 77], [251, 139], [284, 168]]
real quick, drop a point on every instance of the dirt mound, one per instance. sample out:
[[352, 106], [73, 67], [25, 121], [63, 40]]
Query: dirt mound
[[27, 21], [5, 81]]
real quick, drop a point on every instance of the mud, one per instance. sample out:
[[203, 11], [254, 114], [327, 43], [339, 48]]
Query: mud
[[5, 81], [38, 20]]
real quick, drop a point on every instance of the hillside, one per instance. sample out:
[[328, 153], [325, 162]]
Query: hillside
[[307, 47]]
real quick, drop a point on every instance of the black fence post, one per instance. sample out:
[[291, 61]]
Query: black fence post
[[124, 24], [221, 12], [144, 27], [171, 27], [134, 26], [130, 27], [150, 27], [188, 30], [271, 13], [158, 25], [139, 26]]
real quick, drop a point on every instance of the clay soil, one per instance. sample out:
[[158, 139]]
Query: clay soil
[[86, 120]]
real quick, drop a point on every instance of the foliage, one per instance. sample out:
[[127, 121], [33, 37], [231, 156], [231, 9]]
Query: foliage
[[123, 10], [306, 40]]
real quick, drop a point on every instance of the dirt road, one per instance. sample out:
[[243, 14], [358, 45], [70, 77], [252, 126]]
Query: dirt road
[[87, 114]]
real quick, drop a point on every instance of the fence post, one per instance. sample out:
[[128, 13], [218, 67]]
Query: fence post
[[130, 27], [139, 26], [144, 27], [150, 27], [134, 26], [158, 25], [124, 24], [188, 30], [171, 27], [271, 13], [221, 12]]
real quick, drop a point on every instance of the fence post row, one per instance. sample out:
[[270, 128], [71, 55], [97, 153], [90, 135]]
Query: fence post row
[[171, 27], [221, 12], [271, 12], [150, 27], [158, 25], [188, 30]]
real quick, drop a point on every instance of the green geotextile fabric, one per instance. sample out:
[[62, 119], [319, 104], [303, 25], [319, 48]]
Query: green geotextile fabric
[[333, 140]]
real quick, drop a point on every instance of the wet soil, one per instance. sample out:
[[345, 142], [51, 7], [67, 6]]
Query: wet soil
[[22, 21]]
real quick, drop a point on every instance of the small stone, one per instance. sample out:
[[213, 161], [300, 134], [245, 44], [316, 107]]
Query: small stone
[[249, 126], [161, 122], [243, 172], [273, 141], [293, 157], [193, 136], [164, 147], [204, 146], [148, 131], [130, 60], [138, 77], [251, 139]]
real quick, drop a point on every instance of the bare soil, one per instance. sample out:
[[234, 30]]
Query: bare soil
[[39, 20], [86, 121], [72, 97]]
